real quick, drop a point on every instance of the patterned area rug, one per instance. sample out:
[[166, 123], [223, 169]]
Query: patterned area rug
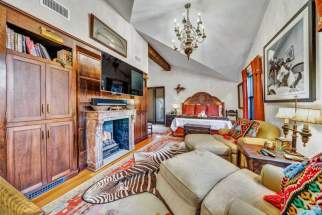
[[141, 204], [139, 178]]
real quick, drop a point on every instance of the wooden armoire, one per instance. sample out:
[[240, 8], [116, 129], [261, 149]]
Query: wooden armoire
[[42, 121]]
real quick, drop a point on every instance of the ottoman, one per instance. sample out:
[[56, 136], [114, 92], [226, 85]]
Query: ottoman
[[206, 142], [185, 180]]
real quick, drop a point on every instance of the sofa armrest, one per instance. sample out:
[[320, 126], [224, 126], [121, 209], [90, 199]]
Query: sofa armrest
[[14, 202], [223, 131], [271, 177], [252, 141], [239, 207]]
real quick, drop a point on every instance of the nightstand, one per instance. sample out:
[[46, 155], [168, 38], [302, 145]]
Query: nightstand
[[169, 118]]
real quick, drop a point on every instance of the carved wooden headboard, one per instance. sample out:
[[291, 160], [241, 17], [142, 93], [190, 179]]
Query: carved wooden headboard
[[204, 99]]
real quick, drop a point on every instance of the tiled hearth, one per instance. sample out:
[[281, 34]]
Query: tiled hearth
[[109, 135]]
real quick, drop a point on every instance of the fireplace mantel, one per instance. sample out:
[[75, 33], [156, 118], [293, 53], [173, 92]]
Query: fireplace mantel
[[94, 128]]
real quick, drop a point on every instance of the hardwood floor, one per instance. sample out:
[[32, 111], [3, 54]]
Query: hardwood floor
[[83, 176]]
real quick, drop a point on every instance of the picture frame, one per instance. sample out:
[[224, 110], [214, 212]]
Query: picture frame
[[318, 4], [289, 60], [240, 95], [106, 36]]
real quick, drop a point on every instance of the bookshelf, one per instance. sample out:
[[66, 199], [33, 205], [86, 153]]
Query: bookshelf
[[21, 41]]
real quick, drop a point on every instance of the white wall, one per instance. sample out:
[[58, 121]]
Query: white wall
[[78, 25], [278, 13], [224, 90]]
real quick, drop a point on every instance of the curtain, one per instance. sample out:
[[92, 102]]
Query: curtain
[[256, 66], [253, 91], [245, 96]]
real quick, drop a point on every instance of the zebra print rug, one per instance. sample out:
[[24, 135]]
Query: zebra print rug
[[140, 178]]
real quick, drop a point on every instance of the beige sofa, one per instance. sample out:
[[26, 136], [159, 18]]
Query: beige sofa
[[202, 182], [267, 131]]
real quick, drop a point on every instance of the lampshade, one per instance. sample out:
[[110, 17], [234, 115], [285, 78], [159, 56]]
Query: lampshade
[[175, 106], [285, 113], [301, 115]]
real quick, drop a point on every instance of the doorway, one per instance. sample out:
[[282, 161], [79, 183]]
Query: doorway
[[156, 105]]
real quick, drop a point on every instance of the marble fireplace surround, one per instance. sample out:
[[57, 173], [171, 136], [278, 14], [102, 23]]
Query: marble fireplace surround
[[94, 143]]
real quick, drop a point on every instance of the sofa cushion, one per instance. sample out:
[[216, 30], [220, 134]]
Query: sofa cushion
[[228, 141], [192, 175], [242, 184], [14, 202], [206, 142]]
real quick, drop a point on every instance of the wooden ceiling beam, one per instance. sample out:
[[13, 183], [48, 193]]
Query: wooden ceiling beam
[[158, 59]]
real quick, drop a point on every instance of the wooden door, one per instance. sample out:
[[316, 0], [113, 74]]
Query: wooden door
[[26, 163], [59, 149], [25, 90], [58, 92]]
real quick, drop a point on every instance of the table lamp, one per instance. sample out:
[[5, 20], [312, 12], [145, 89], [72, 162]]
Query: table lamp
[[307, 116], [175, 108]]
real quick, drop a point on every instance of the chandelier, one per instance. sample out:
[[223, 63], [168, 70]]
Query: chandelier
[[188, 35]]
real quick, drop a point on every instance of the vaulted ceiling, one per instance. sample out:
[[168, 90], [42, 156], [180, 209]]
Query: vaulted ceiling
[[231, 27]]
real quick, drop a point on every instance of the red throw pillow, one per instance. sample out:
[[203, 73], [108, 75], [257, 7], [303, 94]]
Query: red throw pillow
[[200, 108], [240, 128], [212, 110], [275, 200], [253, 130], [189, 109]]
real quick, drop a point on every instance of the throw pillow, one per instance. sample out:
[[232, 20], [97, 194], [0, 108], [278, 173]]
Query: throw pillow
[[189, 109], [253, 130], [240, 128], [199, 109], [212, 110], [301, 188]]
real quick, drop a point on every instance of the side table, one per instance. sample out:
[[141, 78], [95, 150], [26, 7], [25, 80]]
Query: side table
[[255, 161]]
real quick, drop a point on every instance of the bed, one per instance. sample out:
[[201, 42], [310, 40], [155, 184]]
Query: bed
[[199, 103]]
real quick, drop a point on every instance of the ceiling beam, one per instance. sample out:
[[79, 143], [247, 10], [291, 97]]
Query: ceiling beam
[[158, 59]]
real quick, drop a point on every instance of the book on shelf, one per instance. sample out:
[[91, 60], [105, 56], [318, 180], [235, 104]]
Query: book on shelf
[[25, 44]]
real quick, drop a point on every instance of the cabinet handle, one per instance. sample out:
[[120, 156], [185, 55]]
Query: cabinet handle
[[42, 108], [48, 134], [48, 108], [42, 135]]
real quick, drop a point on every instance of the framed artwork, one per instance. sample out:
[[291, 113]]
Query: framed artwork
[[106, 36], [240, 96], [289, 60]]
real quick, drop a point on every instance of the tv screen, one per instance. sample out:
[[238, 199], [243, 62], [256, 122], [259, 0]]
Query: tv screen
[[120, 77]]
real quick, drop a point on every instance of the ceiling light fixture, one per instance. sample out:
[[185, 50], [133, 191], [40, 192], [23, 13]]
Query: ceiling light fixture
[[188, 35]]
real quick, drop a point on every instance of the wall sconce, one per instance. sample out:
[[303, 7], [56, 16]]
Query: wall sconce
[[307, 116]]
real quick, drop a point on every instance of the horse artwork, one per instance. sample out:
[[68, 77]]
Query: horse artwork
[[289, 67]]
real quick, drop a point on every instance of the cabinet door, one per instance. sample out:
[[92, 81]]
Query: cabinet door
[[26, 89], [58, 92], [137, 127], [144, 124], [59, 149], [26, 160]]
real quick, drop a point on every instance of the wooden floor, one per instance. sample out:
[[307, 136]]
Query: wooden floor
[[83, 176]]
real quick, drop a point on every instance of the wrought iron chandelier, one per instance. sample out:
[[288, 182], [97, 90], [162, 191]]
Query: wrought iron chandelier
[[188, 35]]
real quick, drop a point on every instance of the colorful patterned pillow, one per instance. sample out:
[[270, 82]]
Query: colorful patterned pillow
[[302, 188], [240, 128], [253, 130]]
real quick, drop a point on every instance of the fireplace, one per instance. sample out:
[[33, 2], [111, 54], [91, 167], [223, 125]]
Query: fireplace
[[109, 135]]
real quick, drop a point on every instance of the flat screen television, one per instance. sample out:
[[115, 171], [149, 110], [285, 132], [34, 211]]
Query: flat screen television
[[119, 77]]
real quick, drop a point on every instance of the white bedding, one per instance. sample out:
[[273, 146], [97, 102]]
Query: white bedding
[[215, 124]]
